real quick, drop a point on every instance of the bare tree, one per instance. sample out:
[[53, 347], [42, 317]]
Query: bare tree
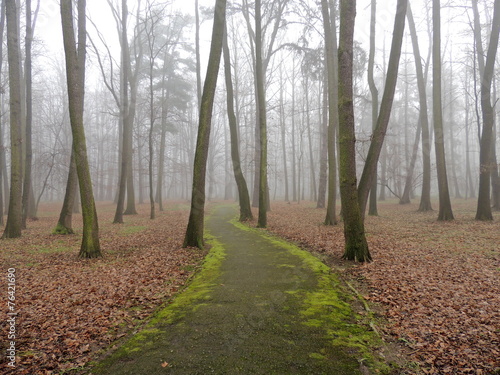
[[194, 231], [75, 75], [484, 202], [356, 246], [14, 218], [445, 211]]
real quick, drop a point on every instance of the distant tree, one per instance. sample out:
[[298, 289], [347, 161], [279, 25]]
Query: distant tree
[[14, 218], [194, 231], [484, 202], [333, 111], [75, 52], [445, 211], [243, 196], [378, 136], [356, 246]]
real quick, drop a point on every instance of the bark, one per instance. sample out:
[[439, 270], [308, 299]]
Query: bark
[[64, 224], [425, 197], [75, 74], [323, 175], [262, 118], [194, 231], [243, 196], [445, 211], [3, 177], [124, 117], [333, 112], [485, 154], [378, 136], [14, 218], [372, 209], [356, 246]]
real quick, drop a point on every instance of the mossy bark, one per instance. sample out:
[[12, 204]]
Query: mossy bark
[[14, 218], [356, 246], [64, 224], [194, 231], [75, 73], [485, 154], [243, 195]]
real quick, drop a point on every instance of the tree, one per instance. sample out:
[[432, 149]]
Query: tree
[[378, 136], [372, 209], [2, 148], [64, 224], [445, 211], [14, 218], [356, 246], [262, 117], [333, 115], [425, 197], [194, 231], [484, 202], [243, 196], [75, 74]]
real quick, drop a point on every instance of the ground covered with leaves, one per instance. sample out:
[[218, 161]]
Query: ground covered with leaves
[[438, 282], [68, 309]]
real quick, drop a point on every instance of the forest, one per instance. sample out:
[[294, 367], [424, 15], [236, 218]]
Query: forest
[[364, 132]]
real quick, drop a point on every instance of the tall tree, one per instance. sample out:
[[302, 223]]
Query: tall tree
[[65, 224], [445, 211], [75, 52], [484, 202], [372, 208], [2, 148], [262, 117], [14, 218], [425, 196], [333, 111], [378, 136], [194, 231], [356, 246], [243, 196]]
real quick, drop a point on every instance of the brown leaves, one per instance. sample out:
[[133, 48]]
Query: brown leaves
[[439, 282], [69, 309]]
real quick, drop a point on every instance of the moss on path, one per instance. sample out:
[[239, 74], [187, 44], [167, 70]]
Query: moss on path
[[259, 306]]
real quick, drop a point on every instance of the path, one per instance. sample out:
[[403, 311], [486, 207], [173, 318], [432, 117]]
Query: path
[[252, 320]]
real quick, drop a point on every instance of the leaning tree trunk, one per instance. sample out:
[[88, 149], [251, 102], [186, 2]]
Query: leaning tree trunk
[[14, 218], [244, 197], [356, 246], [484, 201], [75, 73], [194, 231], [445, 211], [378, 136]]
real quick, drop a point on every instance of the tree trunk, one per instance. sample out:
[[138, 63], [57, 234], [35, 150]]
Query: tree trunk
[[323, 167], [425, 197], [64, 225], [3, 177], [75, 74], [378, 136], [194, 231], [485, 155], [372, 208], [283, 137], [259, 82], [14, 218], [333, 111], [244, 198], [445, 211], [356, 247]]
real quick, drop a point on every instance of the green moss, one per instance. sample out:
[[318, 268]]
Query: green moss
[[61, 229], [189, 300], [328, 307]]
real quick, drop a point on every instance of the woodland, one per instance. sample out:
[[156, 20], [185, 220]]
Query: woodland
[[364, 131]]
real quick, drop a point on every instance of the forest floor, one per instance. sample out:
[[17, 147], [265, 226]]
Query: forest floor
[[438, 283]]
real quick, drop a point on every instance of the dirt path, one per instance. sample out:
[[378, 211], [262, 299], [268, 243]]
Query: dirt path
[[257, 307]]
